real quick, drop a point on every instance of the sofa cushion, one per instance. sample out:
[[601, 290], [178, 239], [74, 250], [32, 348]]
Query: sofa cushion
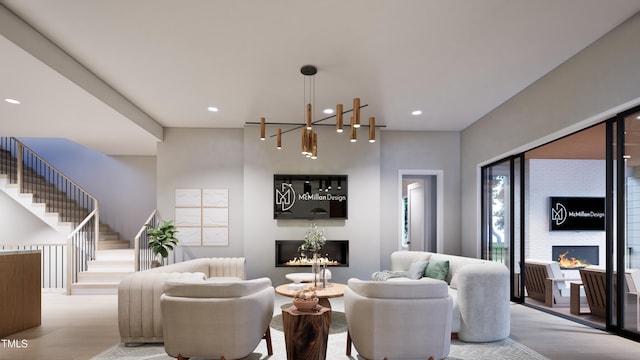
[[400, 288], [417, 269], [214, 288], [437, 269]]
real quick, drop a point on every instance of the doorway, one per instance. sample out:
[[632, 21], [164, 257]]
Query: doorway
[[420, 210]]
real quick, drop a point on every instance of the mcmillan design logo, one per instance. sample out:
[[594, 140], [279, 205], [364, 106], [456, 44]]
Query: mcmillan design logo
[[286, 196], [559, 214]]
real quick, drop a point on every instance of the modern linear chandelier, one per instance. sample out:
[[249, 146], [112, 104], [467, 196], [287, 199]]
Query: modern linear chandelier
[[309, 137]]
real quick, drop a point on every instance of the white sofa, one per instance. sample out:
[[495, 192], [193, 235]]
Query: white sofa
[[139, 315], [480, 292], [214, 318], [399, 319]]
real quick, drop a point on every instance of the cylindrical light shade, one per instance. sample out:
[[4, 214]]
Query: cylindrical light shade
[[304, 140], [279, 139], [262, 129], [356, 112], [353, 134], [309, 119], [314, 146], [339, 118], [310, 134], [372, 129]]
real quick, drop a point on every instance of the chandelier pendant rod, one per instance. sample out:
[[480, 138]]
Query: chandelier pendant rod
[[299, 126]]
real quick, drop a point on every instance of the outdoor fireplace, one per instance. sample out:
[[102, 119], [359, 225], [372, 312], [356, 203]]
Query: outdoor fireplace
[[575, 257], [335, 251]]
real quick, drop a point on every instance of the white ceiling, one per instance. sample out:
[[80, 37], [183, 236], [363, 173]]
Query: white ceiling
[[455, 60]]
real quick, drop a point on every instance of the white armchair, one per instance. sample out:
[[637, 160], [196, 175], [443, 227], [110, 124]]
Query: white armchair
[[398, 320], [216, 318]]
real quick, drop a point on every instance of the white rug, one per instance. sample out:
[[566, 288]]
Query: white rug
[[501, 350]]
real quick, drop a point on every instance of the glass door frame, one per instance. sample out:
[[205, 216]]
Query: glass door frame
[[515, 214], [617, 240]]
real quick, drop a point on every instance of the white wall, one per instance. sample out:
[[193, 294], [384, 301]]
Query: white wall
[[203, 158], [236, 159], [418, 151], [19, 226], [599, 81], [336, 155], [548, 178]]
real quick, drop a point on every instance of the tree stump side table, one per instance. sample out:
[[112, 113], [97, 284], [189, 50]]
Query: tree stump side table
[[306, 333]]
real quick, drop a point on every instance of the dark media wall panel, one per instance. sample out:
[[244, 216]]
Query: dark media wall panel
[[577, 213], [310, 196]]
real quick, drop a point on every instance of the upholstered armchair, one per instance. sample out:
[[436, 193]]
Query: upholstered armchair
[[403, 319], [216, 318]]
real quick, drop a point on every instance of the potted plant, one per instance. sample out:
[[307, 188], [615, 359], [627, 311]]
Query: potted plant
[[161, 240], [314, 240]]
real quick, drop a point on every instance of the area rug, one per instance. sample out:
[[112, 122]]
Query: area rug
[[508, 349]]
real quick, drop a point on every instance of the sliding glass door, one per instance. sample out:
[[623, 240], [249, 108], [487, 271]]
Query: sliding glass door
[[626, 242], [501, 217], [594, 168]]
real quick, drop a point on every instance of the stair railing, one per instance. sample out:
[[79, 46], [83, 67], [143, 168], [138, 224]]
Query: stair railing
[[81, 247], [32, 174], [143, 255]]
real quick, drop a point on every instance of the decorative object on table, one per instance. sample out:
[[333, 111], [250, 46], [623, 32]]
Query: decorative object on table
[[314, 240], [324, 275], [161, 240], [305, 300]]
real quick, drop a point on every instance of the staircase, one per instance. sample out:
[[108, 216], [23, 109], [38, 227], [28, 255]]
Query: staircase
[[64, 212], [113, 261]]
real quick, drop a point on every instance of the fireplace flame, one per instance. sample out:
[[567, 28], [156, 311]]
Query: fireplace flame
[[303, 260], [571, 262]]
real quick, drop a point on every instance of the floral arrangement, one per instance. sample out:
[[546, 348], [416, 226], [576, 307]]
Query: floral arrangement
[[314, 240]]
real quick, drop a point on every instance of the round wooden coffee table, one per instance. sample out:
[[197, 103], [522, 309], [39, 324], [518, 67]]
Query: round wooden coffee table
[[324, 294]]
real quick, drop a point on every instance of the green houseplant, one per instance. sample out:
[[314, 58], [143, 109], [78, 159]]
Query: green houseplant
[[161, 240]]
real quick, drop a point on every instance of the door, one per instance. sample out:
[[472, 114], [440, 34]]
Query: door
[[416, 216]]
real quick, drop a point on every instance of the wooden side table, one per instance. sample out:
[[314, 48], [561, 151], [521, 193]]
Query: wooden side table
[[306, 333], [574, 298]]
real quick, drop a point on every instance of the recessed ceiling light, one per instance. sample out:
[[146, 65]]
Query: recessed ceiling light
[[416, 112], [212, 109], [638, 117], [328, 111], [12, 101]]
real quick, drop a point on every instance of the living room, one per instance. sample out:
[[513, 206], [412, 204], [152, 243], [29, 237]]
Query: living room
[[235, 159]]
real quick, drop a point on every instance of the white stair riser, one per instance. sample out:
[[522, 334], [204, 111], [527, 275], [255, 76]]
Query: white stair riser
[[101, 277], [110, 236], [116, 254], [104, 266], [113, 244], [79, 290]]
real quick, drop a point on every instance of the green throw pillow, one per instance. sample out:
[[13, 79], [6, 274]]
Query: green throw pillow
[[437, 269]]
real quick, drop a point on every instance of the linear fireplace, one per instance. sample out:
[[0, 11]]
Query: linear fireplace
[[336, 252], [576, 256]]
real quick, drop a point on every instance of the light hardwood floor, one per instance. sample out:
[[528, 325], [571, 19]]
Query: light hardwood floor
[[82, 326]]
